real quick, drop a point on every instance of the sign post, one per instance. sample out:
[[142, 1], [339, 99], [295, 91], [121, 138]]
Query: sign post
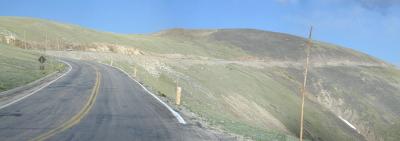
[[41, 60]]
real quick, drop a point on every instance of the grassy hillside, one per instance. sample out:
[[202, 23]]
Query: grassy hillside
[[267, 45], [19, 67], [36, 30], [247, 81]]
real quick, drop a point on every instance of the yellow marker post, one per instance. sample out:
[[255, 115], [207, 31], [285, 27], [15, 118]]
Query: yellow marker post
[[178, 95]]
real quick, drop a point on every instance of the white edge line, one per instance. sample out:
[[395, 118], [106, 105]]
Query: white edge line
[[176, 114], [348, 123], [25, 96]]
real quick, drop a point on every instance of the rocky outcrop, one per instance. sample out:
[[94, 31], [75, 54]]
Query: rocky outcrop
[[103, 47]]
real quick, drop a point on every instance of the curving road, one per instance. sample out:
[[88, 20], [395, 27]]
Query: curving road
[[93, 102]]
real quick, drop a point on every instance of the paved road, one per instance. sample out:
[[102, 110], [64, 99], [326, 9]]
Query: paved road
[[93, 102]]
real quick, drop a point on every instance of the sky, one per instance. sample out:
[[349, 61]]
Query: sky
[[369, 26]]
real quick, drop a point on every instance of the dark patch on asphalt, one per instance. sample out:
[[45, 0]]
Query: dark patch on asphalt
[[10, 114]]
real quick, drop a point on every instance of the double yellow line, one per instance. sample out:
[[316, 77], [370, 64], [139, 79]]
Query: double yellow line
[[76, 118]]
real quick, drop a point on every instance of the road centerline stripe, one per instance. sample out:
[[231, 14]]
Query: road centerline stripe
[[76, 118]]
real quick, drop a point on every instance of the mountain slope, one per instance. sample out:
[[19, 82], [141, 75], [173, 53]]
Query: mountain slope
[[352, 85], [246, 81], [51, 34], [270, 45], [19, 67]]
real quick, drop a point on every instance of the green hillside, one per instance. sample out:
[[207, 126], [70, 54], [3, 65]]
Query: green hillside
[[19, 67], [37, 31], [245, 81]]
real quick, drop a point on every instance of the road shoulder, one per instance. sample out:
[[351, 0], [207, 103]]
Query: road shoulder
[[9, 96]]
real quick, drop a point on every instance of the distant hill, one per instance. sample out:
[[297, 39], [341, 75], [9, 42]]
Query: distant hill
[[270, 45], [247, 81]]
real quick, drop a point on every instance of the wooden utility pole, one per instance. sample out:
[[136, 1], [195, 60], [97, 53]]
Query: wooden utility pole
[[24, 39], [45, 44], [58, 48], [58, 44], [303, 90]]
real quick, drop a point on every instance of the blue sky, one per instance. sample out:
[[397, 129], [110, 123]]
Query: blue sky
[[370, 26]]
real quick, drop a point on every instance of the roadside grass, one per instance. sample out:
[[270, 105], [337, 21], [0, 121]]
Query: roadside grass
[[372, 92], [207, 91], [258, 86], [19, 67], [254, 101]]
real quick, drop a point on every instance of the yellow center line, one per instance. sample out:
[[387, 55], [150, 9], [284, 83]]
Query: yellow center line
[[76, 118]]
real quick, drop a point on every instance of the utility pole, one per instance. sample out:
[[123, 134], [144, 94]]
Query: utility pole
[[303, 90], [58, 44], [24, 39], [45, 44], [59, 47]]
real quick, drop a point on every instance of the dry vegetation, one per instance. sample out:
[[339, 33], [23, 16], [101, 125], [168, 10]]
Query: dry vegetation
[[246, 81]]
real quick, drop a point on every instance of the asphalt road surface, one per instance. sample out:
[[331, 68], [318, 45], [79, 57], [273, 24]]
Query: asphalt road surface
[[94, 102]]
